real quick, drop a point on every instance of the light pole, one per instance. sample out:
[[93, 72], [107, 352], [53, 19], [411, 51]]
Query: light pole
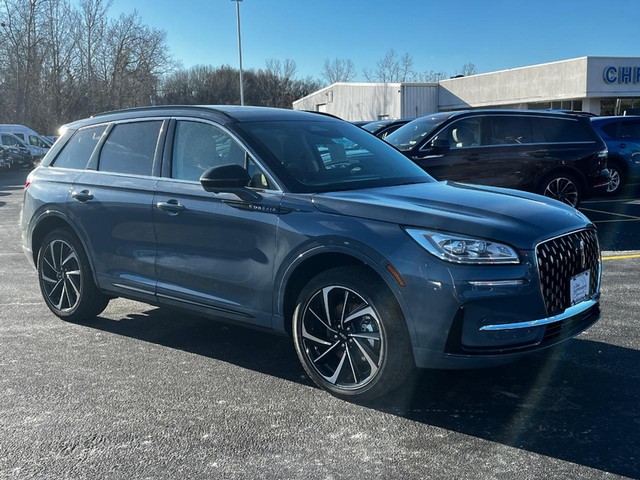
[[239, 50]]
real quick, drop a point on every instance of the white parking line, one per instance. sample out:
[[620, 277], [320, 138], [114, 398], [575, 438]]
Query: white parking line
[[632, 217]]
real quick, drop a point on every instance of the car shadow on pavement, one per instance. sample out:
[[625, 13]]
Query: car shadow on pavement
[[577, 402]]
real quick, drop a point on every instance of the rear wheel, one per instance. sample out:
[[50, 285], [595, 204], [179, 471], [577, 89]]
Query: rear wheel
[[66, 280], [350, 334], [563, 187], [617, 180]]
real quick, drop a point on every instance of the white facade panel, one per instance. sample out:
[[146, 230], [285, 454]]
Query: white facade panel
[[419, 99], [355, 101], [538, 83]]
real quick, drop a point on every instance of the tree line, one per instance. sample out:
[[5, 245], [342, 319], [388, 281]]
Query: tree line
[[62, 60]]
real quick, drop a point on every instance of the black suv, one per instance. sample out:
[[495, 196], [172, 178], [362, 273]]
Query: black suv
[[555, 154]]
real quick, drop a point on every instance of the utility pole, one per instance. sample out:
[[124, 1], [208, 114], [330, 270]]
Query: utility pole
[[239, 50]]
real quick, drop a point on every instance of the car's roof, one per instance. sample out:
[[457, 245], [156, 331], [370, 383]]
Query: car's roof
[[225, 113], [615, 117], [504, 111]]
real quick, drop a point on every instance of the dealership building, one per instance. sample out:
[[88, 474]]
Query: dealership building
[[600, 85]]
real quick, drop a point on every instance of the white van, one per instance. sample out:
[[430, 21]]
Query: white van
[[29, 136], [36, 144]]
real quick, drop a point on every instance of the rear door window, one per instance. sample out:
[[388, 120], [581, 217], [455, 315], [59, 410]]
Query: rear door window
[[509, 130], [623, 129], [77, 152], [131, 148], [560, 130]]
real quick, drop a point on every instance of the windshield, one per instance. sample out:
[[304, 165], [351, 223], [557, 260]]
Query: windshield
[[322, 156], [411, 134]]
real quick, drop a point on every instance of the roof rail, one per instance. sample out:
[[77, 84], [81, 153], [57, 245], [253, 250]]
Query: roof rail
[[162, 107]]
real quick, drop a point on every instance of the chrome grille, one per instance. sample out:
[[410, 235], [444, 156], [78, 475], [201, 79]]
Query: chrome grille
[[560, 259]]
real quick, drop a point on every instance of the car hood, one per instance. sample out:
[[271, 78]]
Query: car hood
[[519, 218]]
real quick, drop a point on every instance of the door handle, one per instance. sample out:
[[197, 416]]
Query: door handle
[[171, 206], [83, 196], [623, 145]]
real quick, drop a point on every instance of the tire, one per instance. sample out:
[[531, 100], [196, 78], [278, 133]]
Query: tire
[[66, 280], [362, 354], [563, 187], [617, 181]]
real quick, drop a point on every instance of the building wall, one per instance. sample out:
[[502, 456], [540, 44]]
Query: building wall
[[592, 84], [355, 101], [538, 83], [419, 99]]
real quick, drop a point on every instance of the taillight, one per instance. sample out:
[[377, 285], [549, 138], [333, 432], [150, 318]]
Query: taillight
[[603, 155], [29, 179]]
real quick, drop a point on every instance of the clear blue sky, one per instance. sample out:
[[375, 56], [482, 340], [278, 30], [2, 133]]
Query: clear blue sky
[[439, 35]]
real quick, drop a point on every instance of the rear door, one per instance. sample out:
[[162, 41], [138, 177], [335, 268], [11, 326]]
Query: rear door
[[111, 202], [514, 151]]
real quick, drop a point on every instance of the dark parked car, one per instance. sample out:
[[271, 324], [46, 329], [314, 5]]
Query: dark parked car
[[622, 136], [18, 155], [305, 225], [554, 154], [382, 128]]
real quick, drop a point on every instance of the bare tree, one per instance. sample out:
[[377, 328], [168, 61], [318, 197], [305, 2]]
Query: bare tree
[[338, 70], [468, 69], [391, 68], [432, 76]]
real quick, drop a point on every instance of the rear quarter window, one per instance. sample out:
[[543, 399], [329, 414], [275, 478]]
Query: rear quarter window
[[560, 130], [77, 152]]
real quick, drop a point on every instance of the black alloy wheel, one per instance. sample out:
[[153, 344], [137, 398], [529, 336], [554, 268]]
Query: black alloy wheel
[[350, 334], [66, 281], [562, 187]]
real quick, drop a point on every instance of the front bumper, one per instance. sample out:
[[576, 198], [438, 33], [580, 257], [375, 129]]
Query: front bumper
[[471, 317]]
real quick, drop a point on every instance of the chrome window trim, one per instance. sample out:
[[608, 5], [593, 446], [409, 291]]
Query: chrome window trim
[[568, 313]]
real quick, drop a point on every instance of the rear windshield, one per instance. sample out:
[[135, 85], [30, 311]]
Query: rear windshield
[[321, 156]]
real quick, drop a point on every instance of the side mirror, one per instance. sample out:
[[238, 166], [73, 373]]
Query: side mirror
[[229, 179]]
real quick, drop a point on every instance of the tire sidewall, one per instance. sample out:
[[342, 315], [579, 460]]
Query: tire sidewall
[[85, 273]]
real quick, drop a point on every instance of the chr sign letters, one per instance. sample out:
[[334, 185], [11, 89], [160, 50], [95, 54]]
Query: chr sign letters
[[621, 75]]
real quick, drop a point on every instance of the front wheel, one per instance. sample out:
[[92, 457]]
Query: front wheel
[[66, 280], [562, 187], [350, 334]]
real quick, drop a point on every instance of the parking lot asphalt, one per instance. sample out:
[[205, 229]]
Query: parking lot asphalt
[[144, 392]]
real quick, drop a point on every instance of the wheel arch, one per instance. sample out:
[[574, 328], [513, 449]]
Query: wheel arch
[[49, 222], [619, 161], [573, 172], [317, 260]]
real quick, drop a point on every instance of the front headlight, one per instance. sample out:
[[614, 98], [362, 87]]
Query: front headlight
[[461, 249]]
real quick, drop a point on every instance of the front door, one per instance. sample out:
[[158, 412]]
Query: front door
[[215, 253]]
